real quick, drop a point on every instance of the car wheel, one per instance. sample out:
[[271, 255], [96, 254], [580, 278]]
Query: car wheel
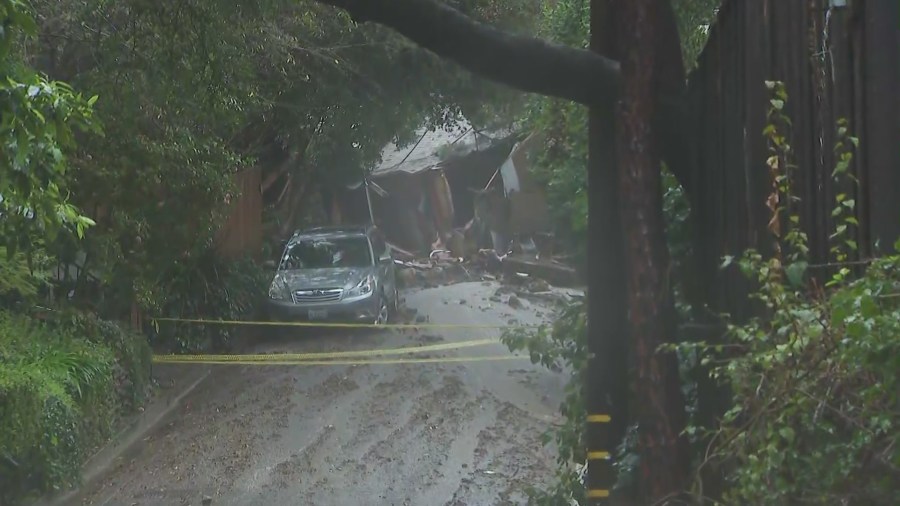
[[384, 311]]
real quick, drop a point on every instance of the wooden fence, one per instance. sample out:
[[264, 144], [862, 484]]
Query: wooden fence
[[241, 234], [836, 62]]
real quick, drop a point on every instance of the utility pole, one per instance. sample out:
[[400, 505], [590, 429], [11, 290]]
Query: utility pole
[[607, 375], [368, 197]]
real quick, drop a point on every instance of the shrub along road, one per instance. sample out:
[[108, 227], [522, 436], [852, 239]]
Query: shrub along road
[[456, 433]]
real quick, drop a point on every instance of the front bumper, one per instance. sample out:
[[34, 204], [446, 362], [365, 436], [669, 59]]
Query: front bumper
[[357, 310]]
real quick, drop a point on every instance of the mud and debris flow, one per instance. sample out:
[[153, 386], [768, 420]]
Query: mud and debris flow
[[438, 434]]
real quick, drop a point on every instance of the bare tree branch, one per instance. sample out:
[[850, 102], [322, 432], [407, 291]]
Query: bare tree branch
[[524, 63]]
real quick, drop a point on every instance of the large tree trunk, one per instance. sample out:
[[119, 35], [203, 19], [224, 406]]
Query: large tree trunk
[[658, 403], [607, 376]]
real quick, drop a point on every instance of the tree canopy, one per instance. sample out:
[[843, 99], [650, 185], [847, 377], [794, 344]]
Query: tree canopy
[[190, 93]]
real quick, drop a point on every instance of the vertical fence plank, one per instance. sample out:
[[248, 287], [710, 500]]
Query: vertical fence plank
[[241, 233], [759, 40], [882, 117]]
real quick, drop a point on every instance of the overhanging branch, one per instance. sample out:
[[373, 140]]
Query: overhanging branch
[[525, 63], [537, 66]]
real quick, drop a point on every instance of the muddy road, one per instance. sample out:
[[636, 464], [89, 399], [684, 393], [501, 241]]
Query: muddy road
[[443, 433]]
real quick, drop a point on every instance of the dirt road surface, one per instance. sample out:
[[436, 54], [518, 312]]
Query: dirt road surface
[[455, 434]]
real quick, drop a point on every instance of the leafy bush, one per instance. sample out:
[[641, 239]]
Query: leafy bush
[[562, 348], [211, 288], [814, 380], [816, 416], [131, 353], [59, 398], [21, 277], [38, 118]]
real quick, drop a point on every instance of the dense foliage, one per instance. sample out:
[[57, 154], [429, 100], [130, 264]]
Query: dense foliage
[[816, 416], [63, 386], [194, 92], [562, 165], [38, 118], [206, 286]]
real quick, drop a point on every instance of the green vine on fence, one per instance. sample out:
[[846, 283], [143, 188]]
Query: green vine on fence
[[815, 414]]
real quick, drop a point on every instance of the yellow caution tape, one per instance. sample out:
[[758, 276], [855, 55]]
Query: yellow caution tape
[[164, 360], [598, 455], [345, 325], [599, 419], [272, 357], [597, 493]]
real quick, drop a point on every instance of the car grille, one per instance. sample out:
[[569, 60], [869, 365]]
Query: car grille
[[317, 295]]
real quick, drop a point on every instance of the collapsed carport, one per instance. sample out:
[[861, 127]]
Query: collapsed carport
[[459, 190], [420, 194]]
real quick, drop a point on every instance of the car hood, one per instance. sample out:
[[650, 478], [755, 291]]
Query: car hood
[[345, 277]]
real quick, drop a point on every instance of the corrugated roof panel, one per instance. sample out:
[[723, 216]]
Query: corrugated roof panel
[[433, 147]]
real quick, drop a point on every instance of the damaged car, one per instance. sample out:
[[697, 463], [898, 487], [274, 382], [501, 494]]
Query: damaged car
[[334, 274]]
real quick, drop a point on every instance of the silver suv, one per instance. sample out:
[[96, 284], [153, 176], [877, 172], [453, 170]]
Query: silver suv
[[343, 274]]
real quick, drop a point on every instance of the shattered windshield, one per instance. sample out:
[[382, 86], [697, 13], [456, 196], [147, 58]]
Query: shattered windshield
[[328, 253]]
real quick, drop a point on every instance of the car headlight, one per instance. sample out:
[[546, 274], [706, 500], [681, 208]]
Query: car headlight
[[278, 290], [363, 288]]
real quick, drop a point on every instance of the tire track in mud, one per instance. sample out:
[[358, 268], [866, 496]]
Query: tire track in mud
[[399, 436], [206, 447], [430, 423], [301, 446], [395, 442], [509, 457], [372, 441], [404, 435]]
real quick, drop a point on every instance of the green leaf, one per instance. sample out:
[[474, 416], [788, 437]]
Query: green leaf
[[24, 21], [727, 260], [787, 433], [796, 272]]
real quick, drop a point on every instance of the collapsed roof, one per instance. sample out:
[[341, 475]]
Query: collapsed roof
[[433, 147]]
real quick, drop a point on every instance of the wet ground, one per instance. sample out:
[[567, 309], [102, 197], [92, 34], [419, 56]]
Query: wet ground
[[438, 433]]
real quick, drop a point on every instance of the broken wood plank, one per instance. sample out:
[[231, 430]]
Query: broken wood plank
[[555, 274]]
